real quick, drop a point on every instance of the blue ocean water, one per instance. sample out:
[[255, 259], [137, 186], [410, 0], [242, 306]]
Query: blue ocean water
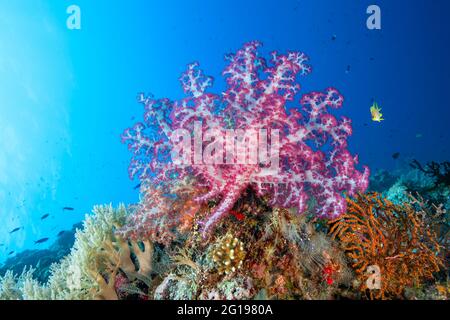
[[67, 95]]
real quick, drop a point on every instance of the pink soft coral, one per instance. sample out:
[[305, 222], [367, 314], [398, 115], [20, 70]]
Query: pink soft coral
[[313, 157]]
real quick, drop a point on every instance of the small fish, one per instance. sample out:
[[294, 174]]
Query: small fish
[[375, 111], [68, 209], [333, 37], [10, 253], [60, 233], [348, 69], [44, 216], [41, 240], [396, 155], [419, 135], [2, 244], [137, 186], [15, 230]]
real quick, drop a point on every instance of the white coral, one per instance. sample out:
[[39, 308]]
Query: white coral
[[74, 277]]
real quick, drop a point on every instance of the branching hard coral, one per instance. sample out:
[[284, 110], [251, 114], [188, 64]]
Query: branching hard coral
[[229, 254], [308, 144], [375, 233]]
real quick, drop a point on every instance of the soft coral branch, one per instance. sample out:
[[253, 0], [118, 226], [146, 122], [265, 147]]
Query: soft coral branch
[[313, 156]]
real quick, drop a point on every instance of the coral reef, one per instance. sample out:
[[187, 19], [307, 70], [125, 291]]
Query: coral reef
[[436, 218], [42, 259], [278, 254], [377, 233], [269, 253], [13, 287], [440, 172], [438, 291], [92, 270], [292, 223], [308, 144]]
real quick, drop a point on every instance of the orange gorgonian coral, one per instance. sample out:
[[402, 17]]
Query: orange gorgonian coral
[[375, 233]]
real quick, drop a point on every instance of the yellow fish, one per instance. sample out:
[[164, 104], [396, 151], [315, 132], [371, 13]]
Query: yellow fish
[[375, 111]]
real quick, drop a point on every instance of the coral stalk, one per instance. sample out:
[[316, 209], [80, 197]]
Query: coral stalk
[[308, 154]]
